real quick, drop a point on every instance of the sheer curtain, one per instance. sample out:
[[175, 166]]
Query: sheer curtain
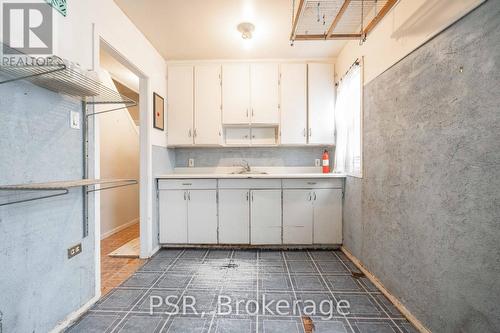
[[348, 123]]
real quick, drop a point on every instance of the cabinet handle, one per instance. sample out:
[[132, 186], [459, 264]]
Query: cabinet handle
[[305, 134], [247, 113], [310, 197], [184, 195], [314, 196], [189, 133], [310, 131], [189, 196], [187, 184], [311, 183], [252, 112], [247, 195], [195, 133], [252, 197]]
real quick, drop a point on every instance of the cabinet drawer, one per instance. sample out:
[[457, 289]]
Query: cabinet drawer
[[313, 183], [250, 183], [186, 184]]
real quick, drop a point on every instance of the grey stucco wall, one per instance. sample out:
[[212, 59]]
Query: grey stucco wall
[[256, 156], [39, 285], [425, 219]]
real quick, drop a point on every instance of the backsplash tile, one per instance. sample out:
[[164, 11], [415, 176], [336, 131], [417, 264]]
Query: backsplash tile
[[272, 156]]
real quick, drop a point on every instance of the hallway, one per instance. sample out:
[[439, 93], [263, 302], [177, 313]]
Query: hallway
[[115, 271]]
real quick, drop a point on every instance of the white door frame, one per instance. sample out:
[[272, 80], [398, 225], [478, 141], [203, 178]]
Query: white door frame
[[145, 157]]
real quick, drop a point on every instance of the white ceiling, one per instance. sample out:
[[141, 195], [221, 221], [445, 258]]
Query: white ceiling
[[118, 71], [206, 29]]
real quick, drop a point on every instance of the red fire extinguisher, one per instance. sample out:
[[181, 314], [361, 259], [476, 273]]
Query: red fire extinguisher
[[326, 162]]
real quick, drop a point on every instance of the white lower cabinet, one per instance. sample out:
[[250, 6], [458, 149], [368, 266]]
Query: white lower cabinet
[[257, 212], [188, 216], [312, 215], [173, 216], [327, 216], [234, 216], [297, 217], [265, 217], [202, 217]]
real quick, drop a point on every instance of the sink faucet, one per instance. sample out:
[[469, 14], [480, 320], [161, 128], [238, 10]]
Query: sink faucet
[[244, 164]]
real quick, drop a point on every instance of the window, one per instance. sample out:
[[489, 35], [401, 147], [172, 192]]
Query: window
[[348, 117]]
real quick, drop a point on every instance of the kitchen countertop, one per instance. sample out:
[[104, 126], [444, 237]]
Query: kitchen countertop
[[259, 173]]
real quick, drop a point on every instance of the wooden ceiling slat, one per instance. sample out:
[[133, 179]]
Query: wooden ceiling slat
[[389, 4], [338, 17], [296, 20]]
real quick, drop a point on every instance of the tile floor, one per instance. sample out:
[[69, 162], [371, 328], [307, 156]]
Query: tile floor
[[115, 271], [211, 276]]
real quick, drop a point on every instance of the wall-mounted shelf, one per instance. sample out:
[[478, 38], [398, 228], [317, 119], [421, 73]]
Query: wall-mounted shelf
[[59, 76], [55, 189], [63, 77]]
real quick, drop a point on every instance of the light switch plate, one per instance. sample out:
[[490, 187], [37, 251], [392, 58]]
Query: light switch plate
[[317, 162], [75, 120], [191, 163]]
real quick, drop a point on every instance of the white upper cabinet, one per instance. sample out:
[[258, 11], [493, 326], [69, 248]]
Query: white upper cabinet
[[180, 105], [321, 100], [210, 104], [236, 94], [264, 92], [293, 104], [207, 105]]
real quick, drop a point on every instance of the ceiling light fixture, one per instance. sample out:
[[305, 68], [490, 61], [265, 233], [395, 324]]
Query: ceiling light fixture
[[246, 29]]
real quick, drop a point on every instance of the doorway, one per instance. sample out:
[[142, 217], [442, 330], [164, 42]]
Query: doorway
[[118, 139]]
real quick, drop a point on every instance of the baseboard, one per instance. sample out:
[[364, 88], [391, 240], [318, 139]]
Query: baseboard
[[74, 316], [153, 252], [119, 228], [411, 318]]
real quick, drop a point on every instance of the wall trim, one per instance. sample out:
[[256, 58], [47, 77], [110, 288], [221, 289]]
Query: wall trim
[[411, 318], [119, 228], [75, 315]]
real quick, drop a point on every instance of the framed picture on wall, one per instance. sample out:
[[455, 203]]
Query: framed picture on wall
[[159, 112]]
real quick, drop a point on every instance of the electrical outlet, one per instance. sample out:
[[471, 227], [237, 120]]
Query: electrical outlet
[[74, 250], [75, 120], [191, 163], [317, 162]]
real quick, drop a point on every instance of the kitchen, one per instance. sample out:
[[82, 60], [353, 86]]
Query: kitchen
[[300, 166]]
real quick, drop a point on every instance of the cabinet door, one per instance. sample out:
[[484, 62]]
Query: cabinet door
[[327, 205], [297, 217], [173, 216], [321, 99], [293, 104], [234, 217], [264, 93], [207, 105], [265, 217], [180, 105], [236, 94], [202, 217]]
